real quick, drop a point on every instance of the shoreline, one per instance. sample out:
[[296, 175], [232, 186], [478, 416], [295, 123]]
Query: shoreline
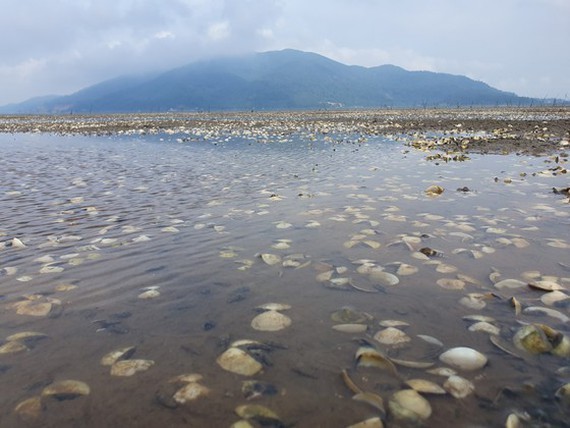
[[533, 131]]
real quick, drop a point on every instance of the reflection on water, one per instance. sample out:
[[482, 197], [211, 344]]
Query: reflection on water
[[103, 222]]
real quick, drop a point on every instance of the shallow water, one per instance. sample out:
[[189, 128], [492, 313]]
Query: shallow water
[[86, 202]]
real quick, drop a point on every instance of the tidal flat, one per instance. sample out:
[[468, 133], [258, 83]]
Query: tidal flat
[[288, 269]]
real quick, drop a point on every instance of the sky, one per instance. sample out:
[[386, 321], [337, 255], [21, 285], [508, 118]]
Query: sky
[[61, 46]]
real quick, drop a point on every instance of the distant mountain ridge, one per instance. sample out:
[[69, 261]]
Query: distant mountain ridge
[[287, 79]]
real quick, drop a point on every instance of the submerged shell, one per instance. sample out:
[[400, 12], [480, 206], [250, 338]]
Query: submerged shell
[[425, 386], [270, 259], [257, 412], [270, 321], [394, 323], [374, 400], [384, 278], [130, 367], [119, 354], [190, 392], [450, 283], [274, 307], [13, 347], [26, 336], [349, 315], [464, 358], [375, 422], [66, 389], [545, 285], [553, 297], [406, 269], [533, 339], [29, 410], [33, 308], [252, 389], [547, 311], [510, 284], [459, 387], [367, 356], [434, 190], [350, 328], [149, 294], [408, 405], [238, 361], [391, 336], [485, 327]]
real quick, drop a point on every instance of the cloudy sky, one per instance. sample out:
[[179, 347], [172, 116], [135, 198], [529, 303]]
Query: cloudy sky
[[60, 46]]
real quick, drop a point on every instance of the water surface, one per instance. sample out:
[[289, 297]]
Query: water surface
[[116, 215]]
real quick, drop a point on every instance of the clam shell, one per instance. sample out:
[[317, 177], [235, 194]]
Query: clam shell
[[29, 410], [238, 361], [255, 412], [324, 276], [384, 278], [66, 389], [563, 348], [458, 387], [270, 259], [425, 386], [547, 311], [350, 328], [391, 336], [473, 301], [26, 335], [553, 297], [406, 269], [393, 323], [407, 404], [375, 422], [119, 354], [130, 367], [33, 308], [187, 378], [149, 294], [450, 283], [434, 190], [374, 400], [563, 393], [532, 338], [545, 285], [367, 356], [442, 371], [274, 307], [464, 358], [270, 321], [13, 347], [510, 284], [431, 340], [484, 327], [190, 392]]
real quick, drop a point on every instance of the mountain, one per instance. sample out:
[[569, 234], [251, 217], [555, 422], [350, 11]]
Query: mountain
[[286, 79]]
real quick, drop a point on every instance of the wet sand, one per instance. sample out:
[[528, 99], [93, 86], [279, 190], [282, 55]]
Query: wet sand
[[187, 205]]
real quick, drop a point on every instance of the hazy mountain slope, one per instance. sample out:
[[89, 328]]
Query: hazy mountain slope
[[285, 79]]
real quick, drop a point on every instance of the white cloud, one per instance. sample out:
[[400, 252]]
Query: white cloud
[[164, 35], [63, 45], [219, 31]]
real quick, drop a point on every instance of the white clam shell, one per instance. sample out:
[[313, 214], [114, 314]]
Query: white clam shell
[[271, 321], [391, 336], [464, 358], [459, 387], [190, 392], [407, 404], [238, 361]]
